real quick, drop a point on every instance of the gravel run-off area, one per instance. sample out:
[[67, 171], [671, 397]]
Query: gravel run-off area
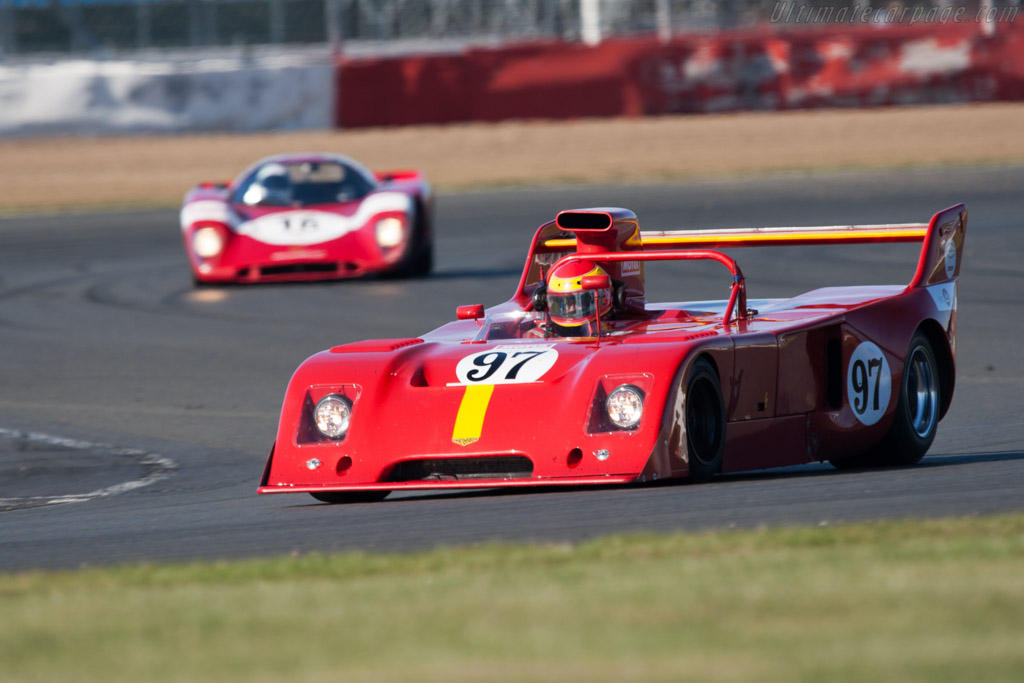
[[57, 174]]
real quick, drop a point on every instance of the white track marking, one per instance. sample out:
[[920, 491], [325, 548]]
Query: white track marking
[[160, 468]]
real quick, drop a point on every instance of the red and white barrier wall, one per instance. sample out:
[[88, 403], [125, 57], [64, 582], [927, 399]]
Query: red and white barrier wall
[[821, 67], [755, 70]]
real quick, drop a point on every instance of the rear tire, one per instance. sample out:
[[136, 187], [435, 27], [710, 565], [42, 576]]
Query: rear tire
[[917, 413], [344, 497], [705, 422], [916, 417]]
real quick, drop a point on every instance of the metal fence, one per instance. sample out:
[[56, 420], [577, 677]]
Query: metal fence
[[105, 27]]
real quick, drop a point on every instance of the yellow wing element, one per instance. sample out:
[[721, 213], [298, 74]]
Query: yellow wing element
[[469, 423], [850, 234]]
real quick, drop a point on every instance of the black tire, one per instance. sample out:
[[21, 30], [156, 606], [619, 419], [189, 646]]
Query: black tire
[[418, 261], [917, 413], [343, 497], [424, 261], [705, 422]]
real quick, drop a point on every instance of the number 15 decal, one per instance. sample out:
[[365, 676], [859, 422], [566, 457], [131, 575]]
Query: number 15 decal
[[868, 383], [508, 364]]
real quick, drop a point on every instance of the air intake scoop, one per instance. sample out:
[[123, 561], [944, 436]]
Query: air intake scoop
[[601, 229]]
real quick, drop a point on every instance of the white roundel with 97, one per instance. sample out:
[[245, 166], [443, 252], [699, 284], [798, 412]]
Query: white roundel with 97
[[507, 364], [868, 383]]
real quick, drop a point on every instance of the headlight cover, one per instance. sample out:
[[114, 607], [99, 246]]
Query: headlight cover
[[332, 415], [390, 232], [625, 406], [207, 242]]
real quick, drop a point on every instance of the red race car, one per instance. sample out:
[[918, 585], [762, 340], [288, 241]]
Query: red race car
[[308, 217], [633, 391]]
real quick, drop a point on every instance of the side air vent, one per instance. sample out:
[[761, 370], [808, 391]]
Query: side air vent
[[834, 374], [378, 345]]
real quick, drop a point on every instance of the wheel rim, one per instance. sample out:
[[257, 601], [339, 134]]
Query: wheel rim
[[702, 421], [922, 392]]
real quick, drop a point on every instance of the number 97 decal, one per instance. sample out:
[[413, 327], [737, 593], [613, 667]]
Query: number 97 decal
[[868, 383], [510, 364]]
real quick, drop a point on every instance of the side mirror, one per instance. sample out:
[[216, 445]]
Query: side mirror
[[540, 298], [619, 295], [471, 312], [591, 282]]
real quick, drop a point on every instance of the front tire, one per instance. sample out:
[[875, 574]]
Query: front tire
[[424, 261], [346, 497], [418, 260], [705, 422]]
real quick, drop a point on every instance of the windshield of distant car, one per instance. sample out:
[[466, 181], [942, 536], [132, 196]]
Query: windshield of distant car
[[305, 183]]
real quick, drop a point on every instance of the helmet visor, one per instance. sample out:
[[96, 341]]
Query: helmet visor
[[574, 308]]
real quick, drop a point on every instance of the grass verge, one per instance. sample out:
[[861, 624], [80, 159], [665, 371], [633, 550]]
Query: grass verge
[[901, 601]]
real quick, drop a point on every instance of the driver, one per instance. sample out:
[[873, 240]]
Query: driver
[[573, 310], [271, 187]]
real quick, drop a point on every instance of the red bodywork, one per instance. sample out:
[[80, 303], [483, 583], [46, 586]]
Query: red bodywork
[[349, 247], [477, 403]]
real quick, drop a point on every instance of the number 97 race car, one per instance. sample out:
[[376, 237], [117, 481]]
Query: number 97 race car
[[634, 391], [308, 217]]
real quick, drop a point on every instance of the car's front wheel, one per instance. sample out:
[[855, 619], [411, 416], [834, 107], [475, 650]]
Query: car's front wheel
[[418, 260], [705, 421]]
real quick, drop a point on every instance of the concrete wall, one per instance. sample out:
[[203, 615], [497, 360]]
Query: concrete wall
[[80, 97]]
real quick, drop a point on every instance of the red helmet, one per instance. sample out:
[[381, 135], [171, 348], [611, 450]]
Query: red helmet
[[569, 304]]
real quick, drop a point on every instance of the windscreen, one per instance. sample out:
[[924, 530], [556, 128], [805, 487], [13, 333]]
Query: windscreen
[[306, 183]]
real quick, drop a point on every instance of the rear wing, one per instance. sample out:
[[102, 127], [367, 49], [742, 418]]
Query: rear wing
[[943, 248], [772, 237], [942, 240]]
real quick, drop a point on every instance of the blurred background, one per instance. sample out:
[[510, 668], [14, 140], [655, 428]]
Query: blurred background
[[93, 67], [100, 28]]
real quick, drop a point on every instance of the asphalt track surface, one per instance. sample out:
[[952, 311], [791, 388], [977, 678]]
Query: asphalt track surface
[[136, 413]]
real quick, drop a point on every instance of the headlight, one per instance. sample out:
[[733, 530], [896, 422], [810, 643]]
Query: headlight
[[625, 406], [390, 232], [332, 415], [207, 242]]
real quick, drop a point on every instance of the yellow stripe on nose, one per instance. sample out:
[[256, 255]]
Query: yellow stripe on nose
[[469, 423]]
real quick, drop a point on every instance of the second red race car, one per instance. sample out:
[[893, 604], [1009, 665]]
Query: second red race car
[[579, 379], [308, 217]]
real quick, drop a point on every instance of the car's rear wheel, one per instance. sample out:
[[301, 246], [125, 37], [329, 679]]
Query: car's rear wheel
[[917, 413], [705, 421], [341, 497]]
